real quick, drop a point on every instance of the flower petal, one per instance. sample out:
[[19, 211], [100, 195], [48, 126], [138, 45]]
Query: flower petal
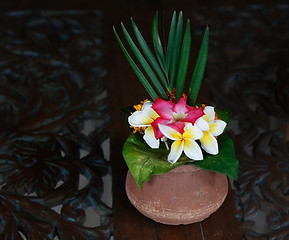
[[150, 138], [209, 143], [139, 119], [178, 126], [177, 148], [163, 108], [192, 132], [193, 115], [180, 106], [209, 113], [155, 125], [147, 110], [146, 105], [203, 124], [170, 132], [217, 127], [192, 150]]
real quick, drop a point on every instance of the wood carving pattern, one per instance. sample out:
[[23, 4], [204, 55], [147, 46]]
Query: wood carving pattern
[[248, 72], [53, 119]]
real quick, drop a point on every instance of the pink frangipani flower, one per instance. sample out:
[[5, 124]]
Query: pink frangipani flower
[[174, 115]]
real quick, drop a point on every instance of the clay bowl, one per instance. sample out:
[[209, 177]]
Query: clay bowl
[[185, 195]]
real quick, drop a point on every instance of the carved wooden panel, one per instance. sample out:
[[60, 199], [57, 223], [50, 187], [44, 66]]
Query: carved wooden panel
[[53, 121], [248, 74]]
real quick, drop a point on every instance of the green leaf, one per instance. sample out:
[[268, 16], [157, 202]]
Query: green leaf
[[199, 69], [149, 55], [174, 61], [137, 71], [144, 63], [144, 162], [158, 44], [184, 62], [170, 44], [224, 162]]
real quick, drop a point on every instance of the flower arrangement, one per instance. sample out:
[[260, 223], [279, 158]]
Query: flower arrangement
[[172, 129]]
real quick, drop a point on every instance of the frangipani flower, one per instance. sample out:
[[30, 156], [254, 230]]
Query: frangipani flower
[[212, 128], [183, 141], [174, 115], [144, 118]]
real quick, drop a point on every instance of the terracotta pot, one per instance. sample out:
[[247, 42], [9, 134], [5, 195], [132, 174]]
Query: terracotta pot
[[184, 195]]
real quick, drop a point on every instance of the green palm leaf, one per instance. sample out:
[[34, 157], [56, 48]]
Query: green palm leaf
[[166, 71], [184, 62], [144, 63], [170, 45], [137, 71], [199, 69], [174, 58], [149, 55], [158, 44]]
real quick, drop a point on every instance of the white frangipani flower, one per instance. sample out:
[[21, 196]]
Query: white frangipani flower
[[144, 118], [211, 128], [183, 142]]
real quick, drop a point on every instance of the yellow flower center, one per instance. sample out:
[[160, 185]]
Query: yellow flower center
[[141, 130], [179, 116], [138, 107]]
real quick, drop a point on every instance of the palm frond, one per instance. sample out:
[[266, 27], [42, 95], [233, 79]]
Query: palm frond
[[158, 45], [170, 44], [144, 63], [149, 55], [199, 69], [137, 71], [184, 62], [176, 46], [166, 70]]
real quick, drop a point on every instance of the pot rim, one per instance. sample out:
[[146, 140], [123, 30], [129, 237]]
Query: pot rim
[[185, 168]]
